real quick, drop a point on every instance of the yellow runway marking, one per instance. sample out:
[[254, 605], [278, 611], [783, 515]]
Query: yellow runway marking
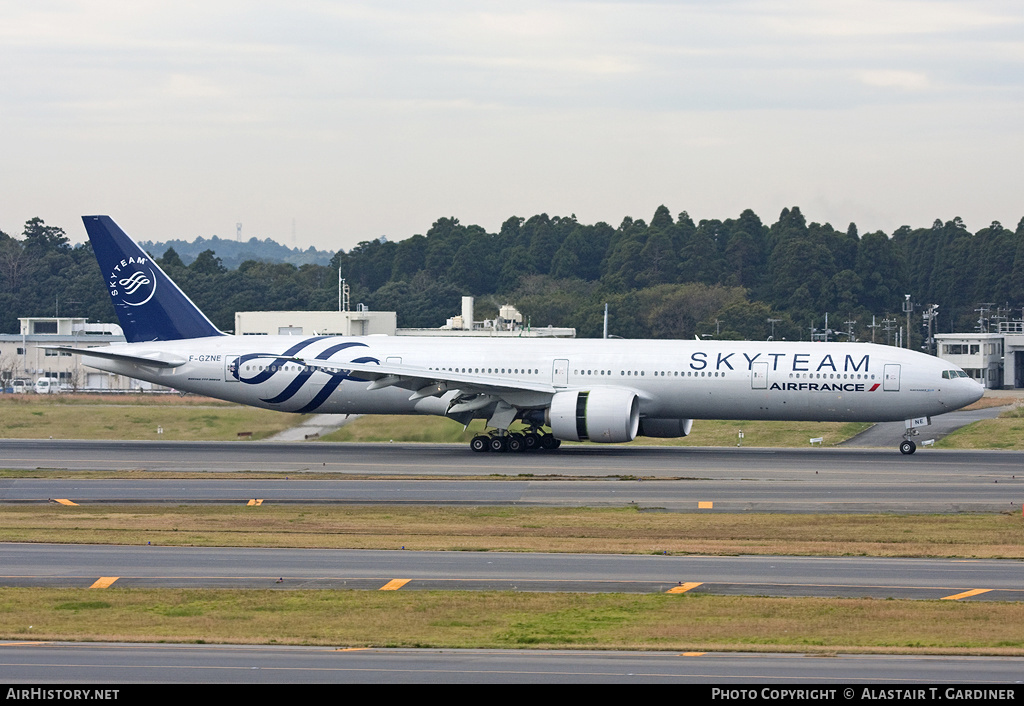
[[705, 505], [683, 588], [694, 654], [966, 594], [65, 501], [255, 501], [394, 584], [104, 581]]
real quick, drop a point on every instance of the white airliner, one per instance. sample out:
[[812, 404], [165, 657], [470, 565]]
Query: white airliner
[[597, 390]]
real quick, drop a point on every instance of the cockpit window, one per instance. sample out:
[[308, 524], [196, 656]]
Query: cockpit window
[[951, 374]]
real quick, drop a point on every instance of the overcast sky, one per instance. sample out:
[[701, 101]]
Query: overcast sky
[[349, 120]]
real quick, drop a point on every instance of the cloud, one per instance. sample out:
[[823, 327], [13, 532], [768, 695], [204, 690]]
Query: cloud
[[889, 78], [350, 116]]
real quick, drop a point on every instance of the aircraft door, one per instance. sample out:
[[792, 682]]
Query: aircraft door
[[231, 368], [560, 372], [891, 378], [759, 376]]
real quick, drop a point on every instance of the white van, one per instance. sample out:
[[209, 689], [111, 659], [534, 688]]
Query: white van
[[45, 386]]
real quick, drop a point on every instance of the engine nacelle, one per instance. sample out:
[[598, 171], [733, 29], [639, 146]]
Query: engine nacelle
[[605, 416], [665, 428]]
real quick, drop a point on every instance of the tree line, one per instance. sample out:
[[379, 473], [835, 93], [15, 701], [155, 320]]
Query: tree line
[[670, 278]]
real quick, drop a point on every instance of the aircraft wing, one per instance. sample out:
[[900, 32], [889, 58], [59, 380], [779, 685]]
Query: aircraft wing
[[153, 359], [423, 382]]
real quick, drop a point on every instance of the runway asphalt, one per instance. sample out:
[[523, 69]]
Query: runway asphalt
[[674, 479], [122, 665], [81, 566]]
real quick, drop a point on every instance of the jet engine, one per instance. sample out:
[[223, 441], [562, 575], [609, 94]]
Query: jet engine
[[604, 416], [665, 428]]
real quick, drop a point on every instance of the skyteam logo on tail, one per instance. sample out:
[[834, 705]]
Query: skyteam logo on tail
[[132, 281]]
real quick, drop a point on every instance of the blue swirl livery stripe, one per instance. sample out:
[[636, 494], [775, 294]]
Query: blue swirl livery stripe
[[266, 374], [332, 385], [295, 385]]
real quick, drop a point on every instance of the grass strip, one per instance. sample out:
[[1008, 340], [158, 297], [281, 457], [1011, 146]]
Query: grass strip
[[518, 529], [1005, 432], [165, 422], [455, 619]]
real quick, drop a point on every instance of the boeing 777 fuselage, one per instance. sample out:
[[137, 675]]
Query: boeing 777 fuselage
[[598, 390]]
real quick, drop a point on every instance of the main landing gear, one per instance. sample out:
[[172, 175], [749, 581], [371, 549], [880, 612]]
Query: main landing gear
[[533, 440]]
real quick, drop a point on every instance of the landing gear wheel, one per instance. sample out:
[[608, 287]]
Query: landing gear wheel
[[908, 447], [480, 443], [549, 443], [532, 440], [515, 443], [498, 443]]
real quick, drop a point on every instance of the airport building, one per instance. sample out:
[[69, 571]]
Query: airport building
[[363, 322], [996, 360], [24, 361], [507, 324]]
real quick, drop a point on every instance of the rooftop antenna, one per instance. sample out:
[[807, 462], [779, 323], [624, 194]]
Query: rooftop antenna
[[343, 293]]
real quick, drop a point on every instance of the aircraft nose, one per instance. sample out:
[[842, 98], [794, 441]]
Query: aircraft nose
[[972, 392]]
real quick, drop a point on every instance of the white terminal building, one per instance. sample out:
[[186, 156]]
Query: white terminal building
[[363, 322], [996, 360], [24, 360]]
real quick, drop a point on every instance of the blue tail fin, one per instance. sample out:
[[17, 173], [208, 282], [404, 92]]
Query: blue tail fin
[[149, 305]]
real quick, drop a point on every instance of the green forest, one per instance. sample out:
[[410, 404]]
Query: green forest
[[736, 278]]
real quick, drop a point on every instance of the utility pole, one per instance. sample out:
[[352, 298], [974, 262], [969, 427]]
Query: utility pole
[[982, 312], [908, 308], [929, 316], [889, 325], [873, 326], [849, 329], [773, 322]]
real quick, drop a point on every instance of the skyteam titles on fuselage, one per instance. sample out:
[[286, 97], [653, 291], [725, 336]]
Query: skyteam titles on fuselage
[[801, 362]]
